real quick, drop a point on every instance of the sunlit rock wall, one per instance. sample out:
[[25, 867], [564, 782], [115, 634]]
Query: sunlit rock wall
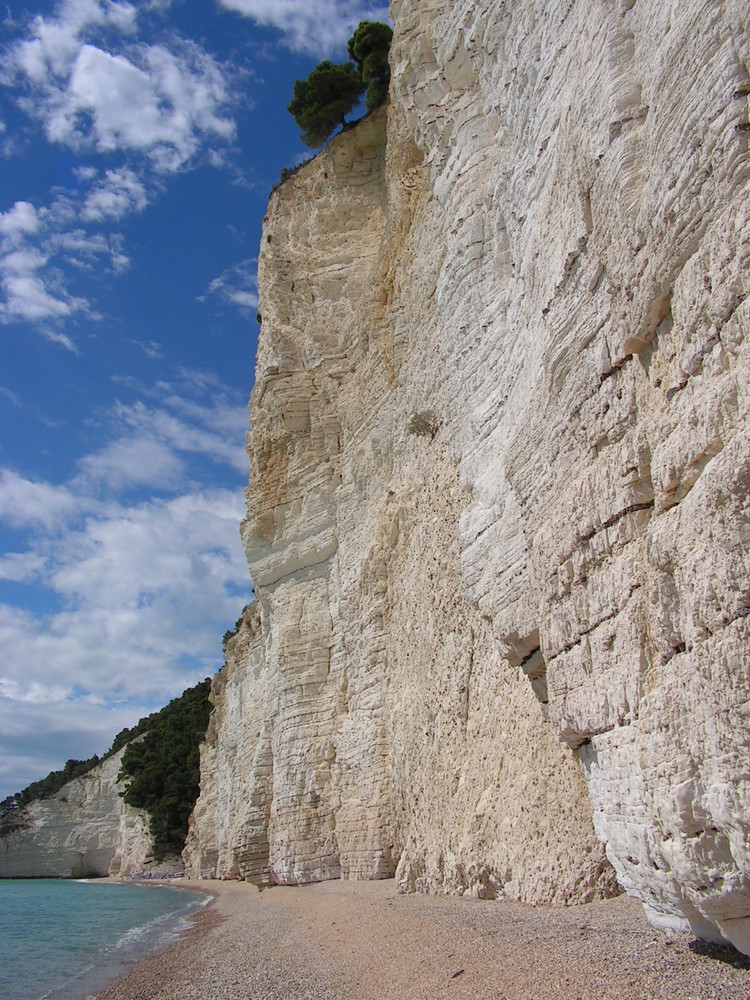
[[227, 837], [498, 509], [85, 830], [401, 740], [589, 245]]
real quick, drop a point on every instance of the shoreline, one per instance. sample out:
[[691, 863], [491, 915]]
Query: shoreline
[[341, 940]]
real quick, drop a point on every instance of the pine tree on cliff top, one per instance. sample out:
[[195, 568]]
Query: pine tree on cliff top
[[369, 47], [332, 90], [322, 101]]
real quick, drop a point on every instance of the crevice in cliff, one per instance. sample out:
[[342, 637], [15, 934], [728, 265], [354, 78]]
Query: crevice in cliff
[[614, 519], [525, 652], [687, 647], [566, 648]]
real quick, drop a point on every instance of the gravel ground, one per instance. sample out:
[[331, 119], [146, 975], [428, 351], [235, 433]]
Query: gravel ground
[[363, 941]]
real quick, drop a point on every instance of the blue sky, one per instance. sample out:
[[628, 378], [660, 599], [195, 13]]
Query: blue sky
[[138, 145]]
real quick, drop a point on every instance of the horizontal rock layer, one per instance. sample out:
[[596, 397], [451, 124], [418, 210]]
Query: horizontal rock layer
[[228, 837], [498, 510]]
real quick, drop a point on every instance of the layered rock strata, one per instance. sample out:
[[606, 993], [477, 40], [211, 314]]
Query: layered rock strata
[[500, 468], [228, 832], [371, 712], [85, 830]]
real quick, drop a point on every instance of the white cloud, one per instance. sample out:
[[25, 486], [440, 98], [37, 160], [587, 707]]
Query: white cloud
[[85, 252], [96, 88], [151, 348], [238, 285], [139, 591], [216, 433], [119, 193], [34, 242], [55, 41], [21, 567], [139, 562], [86, 73], [154, 443], [134, 461], [27, 295], [19, 221], [25, 503], [317, 27], [148, 592]]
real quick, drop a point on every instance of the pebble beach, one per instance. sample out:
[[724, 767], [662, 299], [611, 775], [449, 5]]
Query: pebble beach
[[363, 940]]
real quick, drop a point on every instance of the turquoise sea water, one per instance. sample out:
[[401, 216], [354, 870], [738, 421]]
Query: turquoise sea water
[[64, 939]]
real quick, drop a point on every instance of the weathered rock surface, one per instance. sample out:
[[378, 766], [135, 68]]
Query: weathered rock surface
[[228, 833], [365, 723], [83, 831], [500, 470]]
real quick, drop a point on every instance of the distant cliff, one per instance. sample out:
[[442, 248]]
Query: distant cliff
[[228, 834], [83, 831], [120, 817]]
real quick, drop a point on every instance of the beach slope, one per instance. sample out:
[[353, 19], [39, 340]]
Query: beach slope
[[339, 940]]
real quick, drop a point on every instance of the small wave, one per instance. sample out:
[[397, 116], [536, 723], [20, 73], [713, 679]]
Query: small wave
[[162, 929], [80, 974], [157, 929]]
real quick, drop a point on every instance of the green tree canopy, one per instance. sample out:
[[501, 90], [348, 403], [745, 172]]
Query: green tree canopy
[[324, 99], [369, 47], [163, 768], [332, 90]]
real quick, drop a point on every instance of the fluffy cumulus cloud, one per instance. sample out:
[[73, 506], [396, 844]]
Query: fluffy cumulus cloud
[[317, 27], [85, 71], [27, 294], [37, 247], [142, 570], [117, 194], [19, 222]]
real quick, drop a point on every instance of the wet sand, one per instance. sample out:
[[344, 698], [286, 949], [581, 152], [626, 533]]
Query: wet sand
[[347, 940]]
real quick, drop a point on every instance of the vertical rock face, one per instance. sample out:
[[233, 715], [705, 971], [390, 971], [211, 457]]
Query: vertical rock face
[[401, 741], [83, 831], [589, 171], [498, 513], [228, 833]]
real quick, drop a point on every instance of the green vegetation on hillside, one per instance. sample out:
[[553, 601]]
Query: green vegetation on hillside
[[161, 771], [332, 90]]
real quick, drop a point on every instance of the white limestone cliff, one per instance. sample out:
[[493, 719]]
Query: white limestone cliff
[[498, 515], [227, 836], [85, 830]]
